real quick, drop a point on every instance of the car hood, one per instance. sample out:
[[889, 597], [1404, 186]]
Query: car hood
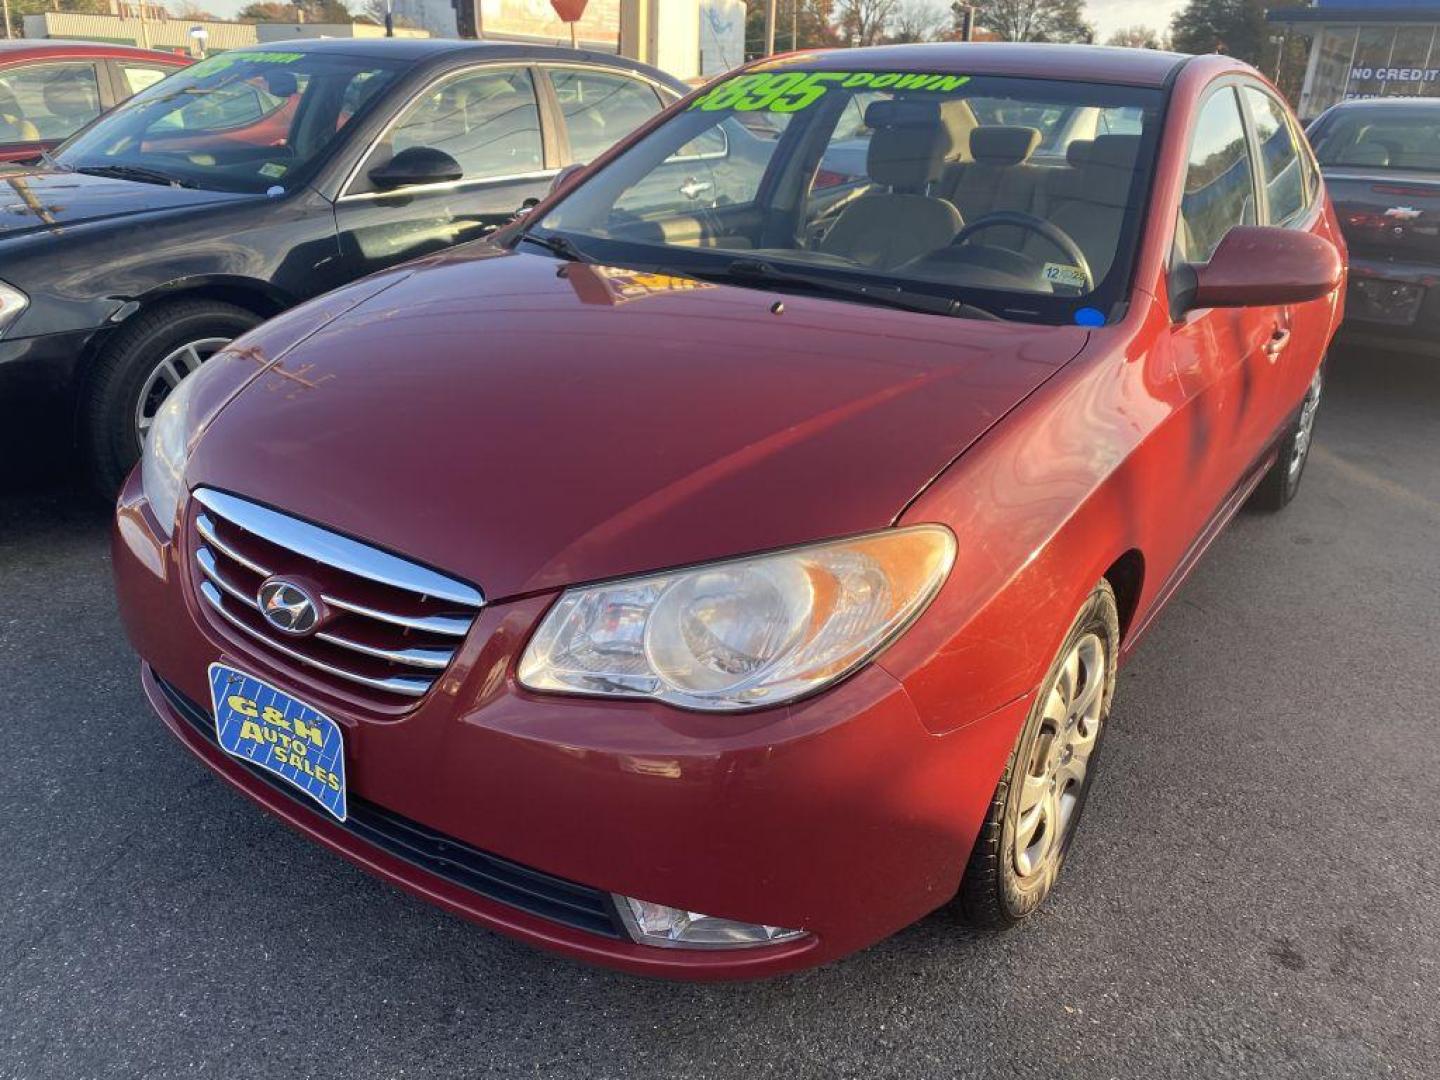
[[40, 200], [526, 423]]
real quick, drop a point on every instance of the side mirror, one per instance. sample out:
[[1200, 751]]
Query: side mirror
[[416, 165], [1264, 266], [566, 177]]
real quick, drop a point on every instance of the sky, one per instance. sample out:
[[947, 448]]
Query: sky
[[1107, 15], [1111, 15]]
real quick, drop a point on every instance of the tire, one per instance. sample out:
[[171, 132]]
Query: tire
[[1282, 481], [1015, 864], [181, 334]]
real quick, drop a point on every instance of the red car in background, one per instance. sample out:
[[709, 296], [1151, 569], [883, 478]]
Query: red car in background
[[51, 89], [708, 579]]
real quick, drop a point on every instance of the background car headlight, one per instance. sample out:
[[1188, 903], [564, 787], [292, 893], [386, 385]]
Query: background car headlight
[[162, 466], [12, 303], [744, 633]]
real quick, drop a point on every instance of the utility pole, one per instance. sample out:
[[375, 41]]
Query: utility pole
[[794, 25], [770, 27], [8, 32]]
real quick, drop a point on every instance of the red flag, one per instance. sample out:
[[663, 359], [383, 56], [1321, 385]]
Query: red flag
[[569, 10]]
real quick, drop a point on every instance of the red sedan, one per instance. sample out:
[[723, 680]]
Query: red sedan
[[51, 89], [719, 571]]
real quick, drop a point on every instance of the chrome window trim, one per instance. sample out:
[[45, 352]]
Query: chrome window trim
[[333, 549], [346, 195], [448, 185]]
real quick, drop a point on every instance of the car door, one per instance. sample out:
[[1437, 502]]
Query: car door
[[42, 103], [489, 119], [1291, 199], [1218, 354]]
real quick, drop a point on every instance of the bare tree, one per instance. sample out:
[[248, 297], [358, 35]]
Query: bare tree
[[1034, 20], [190, 11], [1136, 37], [863, 22], [919, 20]]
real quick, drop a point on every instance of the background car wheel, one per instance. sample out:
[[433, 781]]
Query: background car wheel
[[1038, 801], [146, 359], [1283, 480]]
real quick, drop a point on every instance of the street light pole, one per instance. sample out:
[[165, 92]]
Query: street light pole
[[770, 27], [8, 32]]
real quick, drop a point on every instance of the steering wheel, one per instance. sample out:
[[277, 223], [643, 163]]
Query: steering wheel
[[1020, 220]]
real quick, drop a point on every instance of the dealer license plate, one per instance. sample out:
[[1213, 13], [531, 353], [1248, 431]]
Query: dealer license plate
[[267, 727]]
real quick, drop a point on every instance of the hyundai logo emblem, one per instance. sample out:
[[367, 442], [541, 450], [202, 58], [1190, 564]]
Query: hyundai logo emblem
[[289, 606]]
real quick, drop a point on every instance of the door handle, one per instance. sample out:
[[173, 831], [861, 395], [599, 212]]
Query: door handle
[[1276, 345]]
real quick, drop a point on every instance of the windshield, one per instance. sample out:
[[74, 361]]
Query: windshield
[[1021, 197], [1381, 138], [247, 121]]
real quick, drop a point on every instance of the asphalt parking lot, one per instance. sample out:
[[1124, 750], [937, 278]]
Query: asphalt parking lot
[[1254, 891]]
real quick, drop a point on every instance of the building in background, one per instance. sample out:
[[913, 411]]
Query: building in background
[[1366, 48], [158, 30], [268, 32], [722, 36]]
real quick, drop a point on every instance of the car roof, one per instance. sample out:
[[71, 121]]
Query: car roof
[[1419, 104], [1080, 63], [34, 48], [421, 50]]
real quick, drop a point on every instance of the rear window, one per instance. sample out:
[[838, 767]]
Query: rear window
[[1381, 138]]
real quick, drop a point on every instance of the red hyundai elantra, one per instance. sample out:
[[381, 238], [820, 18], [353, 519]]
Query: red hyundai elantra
[[730, 563]]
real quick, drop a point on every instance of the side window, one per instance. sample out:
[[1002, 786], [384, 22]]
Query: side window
[[47, 101], [487, 120], [600, 108], [137, 77], [1280, 165], [1124, 120], [1219, 187]]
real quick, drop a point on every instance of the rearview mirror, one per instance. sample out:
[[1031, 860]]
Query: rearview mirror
[[416, 165], [566, 177], [1263, 266]]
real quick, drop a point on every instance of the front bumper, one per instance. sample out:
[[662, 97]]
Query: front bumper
[[38, 379], [841, 815]]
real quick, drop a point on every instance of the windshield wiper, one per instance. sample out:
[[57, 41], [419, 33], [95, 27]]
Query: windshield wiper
[[134, 172], [759, 271], [557, 245]]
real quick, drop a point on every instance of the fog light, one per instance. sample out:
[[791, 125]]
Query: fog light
[[656, 924]]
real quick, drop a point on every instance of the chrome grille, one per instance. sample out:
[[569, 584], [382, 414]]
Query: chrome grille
[[394, 625]]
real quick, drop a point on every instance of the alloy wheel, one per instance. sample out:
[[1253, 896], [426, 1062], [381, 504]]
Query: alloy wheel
[[1305, 428], [1059, 757], [166, 375]]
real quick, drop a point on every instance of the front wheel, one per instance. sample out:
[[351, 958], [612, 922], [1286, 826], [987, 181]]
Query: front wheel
[[1037, 804], [1281, 483], [144, 362]]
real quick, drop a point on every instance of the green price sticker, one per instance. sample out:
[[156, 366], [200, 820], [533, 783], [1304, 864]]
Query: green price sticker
[[791, 91]]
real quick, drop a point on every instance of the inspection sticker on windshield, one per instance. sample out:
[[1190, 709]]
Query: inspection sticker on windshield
[[1061, 274], [791, 91], [267, 727]]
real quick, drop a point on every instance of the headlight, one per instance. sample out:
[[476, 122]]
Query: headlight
[[12, 303], [745, 633], [162, 467]]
